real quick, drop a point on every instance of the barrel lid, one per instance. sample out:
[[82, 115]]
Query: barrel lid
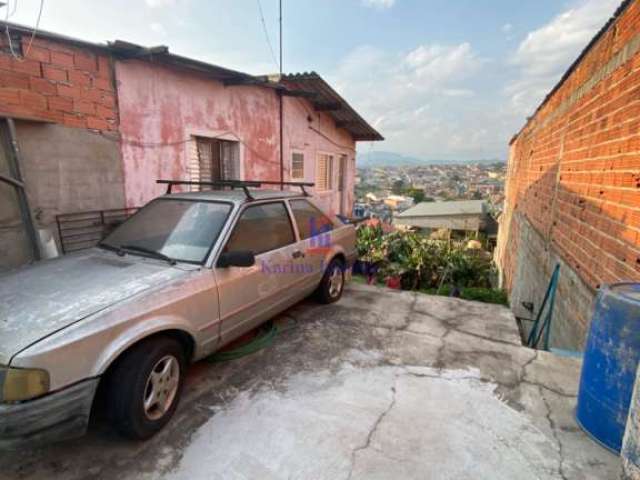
[[628, 290]]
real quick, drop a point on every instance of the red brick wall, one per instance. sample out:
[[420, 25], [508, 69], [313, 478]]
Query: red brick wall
[[58, 82], [574, 169]]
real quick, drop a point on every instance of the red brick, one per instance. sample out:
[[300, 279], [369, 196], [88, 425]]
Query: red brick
[[108, 100], [30, 67], [70, 91], [61, 104], [5, 61], [33, 101], [102, 83], [13, 79], [98, 123], [54, 73], [62, 59], [104, 67], [92, 95], [83, 106], [85, 61], [9, 96], [75, 120], [43, 86], [52, 116], [79, 78], [38, 53], [104, 112], [49, 45]]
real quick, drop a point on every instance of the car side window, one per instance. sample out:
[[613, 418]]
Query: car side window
[[262, 228], [309, 219]]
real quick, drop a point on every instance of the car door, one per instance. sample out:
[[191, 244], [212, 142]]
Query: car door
[[314, 229], [251, 295]]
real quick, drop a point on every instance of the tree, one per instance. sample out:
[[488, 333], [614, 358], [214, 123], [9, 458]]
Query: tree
[[398, 187], [417, 195]]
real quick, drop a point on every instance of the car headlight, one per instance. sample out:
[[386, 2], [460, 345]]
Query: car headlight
[[17, 384]]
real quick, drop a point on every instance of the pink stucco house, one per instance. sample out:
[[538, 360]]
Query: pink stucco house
[[184, 119], [90, 127]]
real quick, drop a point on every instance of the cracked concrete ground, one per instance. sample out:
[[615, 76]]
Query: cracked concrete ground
[[383, 384]]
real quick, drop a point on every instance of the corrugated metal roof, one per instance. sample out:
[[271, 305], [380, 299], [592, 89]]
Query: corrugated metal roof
[[327, 99], [436, 209]]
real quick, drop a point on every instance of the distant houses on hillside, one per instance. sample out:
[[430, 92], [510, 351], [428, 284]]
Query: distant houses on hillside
[[460, 219]]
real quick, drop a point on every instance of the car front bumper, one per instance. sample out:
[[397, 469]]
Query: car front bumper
[[57, 416]]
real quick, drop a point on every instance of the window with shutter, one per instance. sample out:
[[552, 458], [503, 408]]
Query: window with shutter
[[215, 160], [324, 172], [297, 166]]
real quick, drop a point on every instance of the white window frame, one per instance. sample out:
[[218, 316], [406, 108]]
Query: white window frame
[[291, 170]]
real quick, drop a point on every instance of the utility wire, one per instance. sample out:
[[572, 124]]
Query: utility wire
[[266, 34], [33, 33]]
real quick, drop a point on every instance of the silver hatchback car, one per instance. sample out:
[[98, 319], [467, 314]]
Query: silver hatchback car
[[184, 276]]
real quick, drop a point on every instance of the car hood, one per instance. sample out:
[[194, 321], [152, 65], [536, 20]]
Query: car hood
[[47, 296]]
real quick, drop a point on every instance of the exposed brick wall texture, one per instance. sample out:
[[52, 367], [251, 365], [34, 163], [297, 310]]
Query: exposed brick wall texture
[[574, 169], [58, 82]]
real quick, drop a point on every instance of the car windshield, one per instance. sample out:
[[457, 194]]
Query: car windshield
[[182, 230]]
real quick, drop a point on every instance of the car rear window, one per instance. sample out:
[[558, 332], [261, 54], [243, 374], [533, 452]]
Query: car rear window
[[262, 228], [309, 219]]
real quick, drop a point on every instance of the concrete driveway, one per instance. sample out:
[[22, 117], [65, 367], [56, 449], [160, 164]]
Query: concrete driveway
[[383, 384]]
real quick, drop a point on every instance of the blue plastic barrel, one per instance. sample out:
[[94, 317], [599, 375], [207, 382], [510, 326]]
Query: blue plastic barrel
[[609, 366]]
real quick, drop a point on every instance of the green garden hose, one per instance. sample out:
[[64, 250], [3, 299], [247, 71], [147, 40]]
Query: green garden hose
[[263, 339]]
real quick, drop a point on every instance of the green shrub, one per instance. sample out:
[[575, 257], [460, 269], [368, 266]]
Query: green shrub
[[424, 263]]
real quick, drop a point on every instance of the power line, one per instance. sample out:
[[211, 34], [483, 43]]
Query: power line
[[280, 21], [266, 34], [33, 33]]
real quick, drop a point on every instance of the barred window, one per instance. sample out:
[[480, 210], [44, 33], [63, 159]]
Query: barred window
[[297, 166]]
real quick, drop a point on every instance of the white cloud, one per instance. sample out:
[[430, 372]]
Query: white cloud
[[421, 99], [507, 28], [379, 4], [158, 28], [458, 92], [160, 3], [547, 52]]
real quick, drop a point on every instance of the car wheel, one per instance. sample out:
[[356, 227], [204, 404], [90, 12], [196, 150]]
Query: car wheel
[[145, 386], [332, 283]]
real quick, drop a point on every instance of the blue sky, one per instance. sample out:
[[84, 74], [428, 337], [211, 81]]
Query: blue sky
[[440, 79]]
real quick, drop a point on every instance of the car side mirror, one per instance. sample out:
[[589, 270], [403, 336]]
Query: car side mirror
[[239, 258]]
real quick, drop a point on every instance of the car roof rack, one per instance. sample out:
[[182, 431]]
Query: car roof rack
[[233, 184]]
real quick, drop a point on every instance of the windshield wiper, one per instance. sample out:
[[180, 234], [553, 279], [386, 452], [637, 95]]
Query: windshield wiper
[[148, 251]]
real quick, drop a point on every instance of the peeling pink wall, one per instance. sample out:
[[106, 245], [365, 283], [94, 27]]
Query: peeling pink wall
[[162, 108]]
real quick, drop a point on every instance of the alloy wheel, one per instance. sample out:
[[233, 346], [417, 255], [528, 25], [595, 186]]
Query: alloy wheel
[[162, 387], [336, 282]]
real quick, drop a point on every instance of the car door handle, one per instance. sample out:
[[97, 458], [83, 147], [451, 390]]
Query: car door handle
[[298, 254]]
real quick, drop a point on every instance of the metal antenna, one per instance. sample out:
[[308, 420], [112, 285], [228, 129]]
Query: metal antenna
[[280, 20]]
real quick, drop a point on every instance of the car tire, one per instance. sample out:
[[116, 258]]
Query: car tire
[[144, 387], [332, 283]]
